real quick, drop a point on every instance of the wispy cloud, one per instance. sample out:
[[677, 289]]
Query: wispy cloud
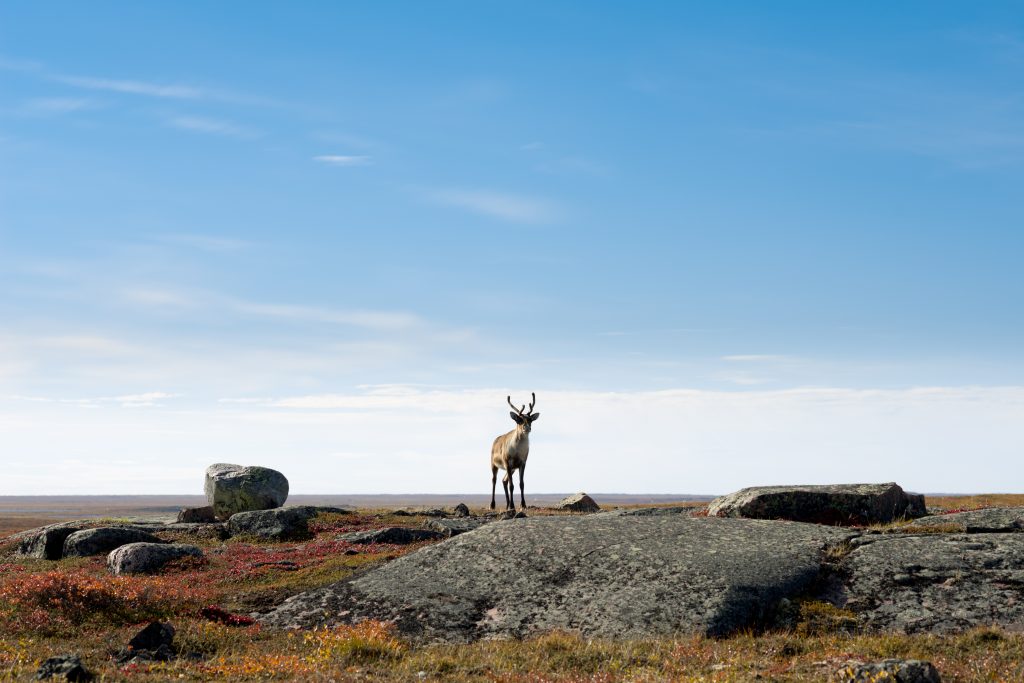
[[199, 124], [501, 205], [379, 320], [154, 296], [204, 242], [182, 92], [343, 159], [57, 105], [757, 358]]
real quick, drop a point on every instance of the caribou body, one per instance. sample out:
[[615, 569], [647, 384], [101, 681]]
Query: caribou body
[[509, 453]]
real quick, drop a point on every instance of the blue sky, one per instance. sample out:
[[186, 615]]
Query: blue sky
[[332, 237]]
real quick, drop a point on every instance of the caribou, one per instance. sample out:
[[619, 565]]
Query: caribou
[[509, 453]]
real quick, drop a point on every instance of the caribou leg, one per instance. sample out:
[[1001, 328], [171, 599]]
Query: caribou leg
[[511, 491], [494, 482], [504, 486], [522, 489]]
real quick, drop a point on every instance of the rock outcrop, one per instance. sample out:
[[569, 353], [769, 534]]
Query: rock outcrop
[[842, 504], [231, 489], [604, 575], [939, 583], [102, 540], [986, 520], [145, 558], [46, 543]]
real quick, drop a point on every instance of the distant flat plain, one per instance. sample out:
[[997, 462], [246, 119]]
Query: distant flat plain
[[25, 512]]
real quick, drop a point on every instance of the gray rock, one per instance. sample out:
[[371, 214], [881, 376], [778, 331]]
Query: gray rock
[[578, 502], [603, 575], [506, 514], [233, 488], [46, 543], [454, 527], [68, 667], [896, 670], [657, 512], [151, 637], [461, 510], [843, 504], [198, 515], [395, 534], [278, 524], [988, 520], [144, 558], [422, 512], [103, 539], [939, 583]]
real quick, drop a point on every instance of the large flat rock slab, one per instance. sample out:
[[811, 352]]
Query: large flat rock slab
[[986, 520], [845, 504], [606, 574], [940, 583]]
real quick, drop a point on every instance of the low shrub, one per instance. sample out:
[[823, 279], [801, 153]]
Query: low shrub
[[57, 601]]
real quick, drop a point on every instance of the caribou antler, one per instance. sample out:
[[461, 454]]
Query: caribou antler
[[533, 399], [518, 410]]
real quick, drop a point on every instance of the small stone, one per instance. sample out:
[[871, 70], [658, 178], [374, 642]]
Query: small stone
[[461, 510], [579, 502], [68, 667], [896, 670], [509, 514], [454, 527], [151, 637]]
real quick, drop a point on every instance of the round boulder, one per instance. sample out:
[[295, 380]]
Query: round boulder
[[235, 488], [145, 558]]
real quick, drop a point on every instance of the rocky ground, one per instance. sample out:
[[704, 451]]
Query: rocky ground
[[581, 592]]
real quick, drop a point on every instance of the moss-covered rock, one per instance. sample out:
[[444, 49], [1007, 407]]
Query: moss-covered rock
[[231, 489]]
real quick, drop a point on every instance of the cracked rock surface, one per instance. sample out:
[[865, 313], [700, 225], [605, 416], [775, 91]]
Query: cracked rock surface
[[940, 583], [986, 520], [606, 574]]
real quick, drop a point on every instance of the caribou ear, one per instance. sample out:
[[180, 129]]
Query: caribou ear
[[533, 418], [518, 418]]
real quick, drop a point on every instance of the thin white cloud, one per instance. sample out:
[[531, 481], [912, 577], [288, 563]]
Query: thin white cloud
[[756, 358], [185, 92], [199, 124], [145, 400], [204, 242], [45, 106], [343, 159], [501, 205], [379, 320], [164, 298]]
